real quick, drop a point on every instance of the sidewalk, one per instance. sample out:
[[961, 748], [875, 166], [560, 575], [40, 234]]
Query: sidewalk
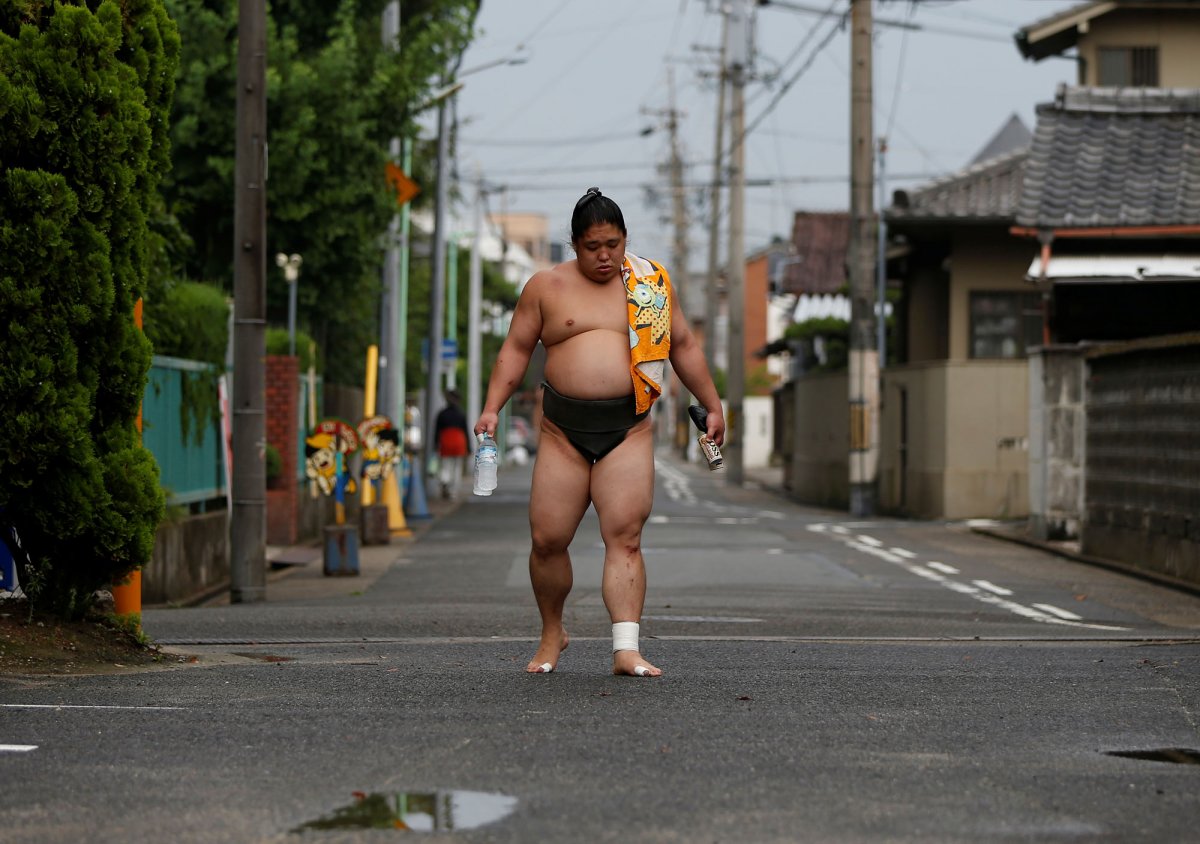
[[296, 572]]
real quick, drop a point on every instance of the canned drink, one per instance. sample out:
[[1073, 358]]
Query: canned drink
[[711, 453]]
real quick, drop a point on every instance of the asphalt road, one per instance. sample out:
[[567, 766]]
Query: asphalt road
[[825, 680]]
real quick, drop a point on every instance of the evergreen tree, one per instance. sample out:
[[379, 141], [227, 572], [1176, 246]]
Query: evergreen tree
[[335, 97], [85, 94]]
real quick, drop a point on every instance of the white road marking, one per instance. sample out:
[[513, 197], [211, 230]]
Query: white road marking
[[838, 529], [942, 567], [992, 587], [981, 590], [900, 552], [981, 523], [774, 551], [89, 706], [17, 748], [1053, 610]]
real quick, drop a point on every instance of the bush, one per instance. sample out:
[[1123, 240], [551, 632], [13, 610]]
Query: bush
[[277, 344], [84, 101], [191, 321]]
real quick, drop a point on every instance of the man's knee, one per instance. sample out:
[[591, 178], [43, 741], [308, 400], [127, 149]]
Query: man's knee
[[547, 544]]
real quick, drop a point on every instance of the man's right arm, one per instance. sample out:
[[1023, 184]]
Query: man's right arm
[[513, 359]]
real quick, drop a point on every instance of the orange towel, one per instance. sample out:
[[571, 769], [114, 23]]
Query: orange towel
[[648, 292]]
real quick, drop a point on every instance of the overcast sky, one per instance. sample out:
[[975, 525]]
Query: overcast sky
[[598, 74]]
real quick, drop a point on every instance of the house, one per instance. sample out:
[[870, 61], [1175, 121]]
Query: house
[[983, 258]]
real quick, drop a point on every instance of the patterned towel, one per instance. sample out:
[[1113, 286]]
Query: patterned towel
[[648, 292]]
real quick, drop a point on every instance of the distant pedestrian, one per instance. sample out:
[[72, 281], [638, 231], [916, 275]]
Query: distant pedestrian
[[452, 444]]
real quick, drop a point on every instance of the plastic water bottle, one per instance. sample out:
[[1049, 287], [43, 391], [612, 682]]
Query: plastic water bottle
[[485, 465]]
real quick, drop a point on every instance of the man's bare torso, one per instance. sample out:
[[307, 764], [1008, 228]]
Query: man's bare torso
[[585, 330]]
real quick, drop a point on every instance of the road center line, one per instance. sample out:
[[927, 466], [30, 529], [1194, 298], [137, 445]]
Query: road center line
[[1053, 610], [17, 748], [942, 567], [992, 587], [900, 552], [1041, 612]]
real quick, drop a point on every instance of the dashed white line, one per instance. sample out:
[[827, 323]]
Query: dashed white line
[[992, 587], [942, 567], [1053, 610], [981, 590], [17, 748]]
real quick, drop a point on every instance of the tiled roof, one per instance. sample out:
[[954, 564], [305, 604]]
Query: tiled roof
[[1114, 157], [984, 192], [819, 241]]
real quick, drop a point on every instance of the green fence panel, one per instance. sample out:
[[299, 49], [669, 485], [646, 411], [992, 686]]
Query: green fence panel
[[191, 466]]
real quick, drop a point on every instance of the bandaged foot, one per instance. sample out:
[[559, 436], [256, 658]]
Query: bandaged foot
[[546, 658], [626, 657]]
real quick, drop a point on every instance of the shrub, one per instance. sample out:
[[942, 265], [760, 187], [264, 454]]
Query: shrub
[[84, 101]]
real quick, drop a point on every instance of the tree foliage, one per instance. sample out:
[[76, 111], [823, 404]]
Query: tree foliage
[[335, 97], [85, 94]]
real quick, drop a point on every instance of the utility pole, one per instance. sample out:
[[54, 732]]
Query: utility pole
[[679, 245], [714, 205], [474, 309], [248, 518], [864, 356], [679, 252], [738, 31], [437, 287], [396, 295]]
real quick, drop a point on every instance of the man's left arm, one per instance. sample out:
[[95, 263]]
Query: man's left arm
[[687, 359]]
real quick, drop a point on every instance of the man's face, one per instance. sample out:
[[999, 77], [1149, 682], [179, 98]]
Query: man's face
[[601, 252]]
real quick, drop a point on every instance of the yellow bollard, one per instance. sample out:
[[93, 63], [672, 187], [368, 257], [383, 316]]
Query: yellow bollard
[[391, 497]]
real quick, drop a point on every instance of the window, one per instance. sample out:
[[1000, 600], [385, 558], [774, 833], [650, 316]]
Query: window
[[1004, 324], [1127, 67]]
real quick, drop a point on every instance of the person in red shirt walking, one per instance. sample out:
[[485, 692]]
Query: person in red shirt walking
[[452, 444]]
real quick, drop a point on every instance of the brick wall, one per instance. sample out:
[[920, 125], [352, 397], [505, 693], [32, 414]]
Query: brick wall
[[282, 405]]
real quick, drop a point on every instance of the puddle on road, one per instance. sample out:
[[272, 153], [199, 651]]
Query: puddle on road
[[437, 811], [1178, 755]]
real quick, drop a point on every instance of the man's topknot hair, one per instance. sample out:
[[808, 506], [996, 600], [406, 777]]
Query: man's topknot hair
[[594, 208]]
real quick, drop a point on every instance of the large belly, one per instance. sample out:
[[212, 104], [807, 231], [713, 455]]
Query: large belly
[[590, 365]]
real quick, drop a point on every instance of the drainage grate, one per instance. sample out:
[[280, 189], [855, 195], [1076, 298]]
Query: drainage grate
[[1178, 755]]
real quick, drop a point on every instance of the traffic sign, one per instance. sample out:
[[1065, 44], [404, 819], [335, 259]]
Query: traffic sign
[[406, 189]]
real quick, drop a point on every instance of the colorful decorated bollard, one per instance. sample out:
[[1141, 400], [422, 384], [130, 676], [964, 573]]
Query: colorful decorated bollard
[[327, 447]]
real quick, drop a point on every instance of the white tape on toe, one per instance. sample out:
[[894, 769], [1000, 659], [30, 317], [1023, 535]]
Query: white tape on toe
[[546, 667], [625, 635], [641, 671]]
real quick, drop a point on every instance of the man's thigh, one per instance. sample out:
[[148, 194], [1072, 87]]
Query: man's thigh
[[559, 495], [623, 483]]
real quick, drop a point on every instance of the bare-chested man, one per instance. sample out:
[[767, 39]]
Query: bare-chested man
[[607, 321]]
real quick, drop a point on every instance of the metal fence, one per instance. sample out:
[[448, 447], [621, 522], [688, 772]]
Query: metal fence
[[182, 428]]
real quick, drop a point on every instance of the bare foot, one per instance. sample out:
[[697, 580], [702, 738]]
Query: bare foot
[[631, 663], [546, 658]]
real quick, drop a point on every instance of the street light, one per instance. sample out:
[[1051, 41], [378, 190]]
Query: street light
[[290, 264]]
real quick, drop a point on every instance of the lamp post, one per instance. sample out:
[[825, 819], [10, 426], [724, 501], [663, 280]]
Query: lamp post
[[290, 264]]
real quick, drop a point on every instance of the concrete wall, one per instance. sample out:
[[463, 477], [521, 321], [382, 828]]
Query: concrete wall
[[1142, 481], [191, 558], [817, 470], [758, 431], [953, 440], [1057, 429]]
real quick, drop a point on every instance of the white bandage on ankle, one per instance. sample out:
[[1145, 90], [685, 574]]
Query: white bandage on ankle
[[625, 636]]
